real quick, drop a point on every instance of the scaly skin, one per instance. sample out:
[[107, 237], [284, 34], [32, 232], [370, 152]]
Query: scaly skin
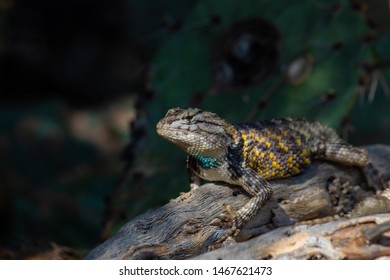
[[251, 154]]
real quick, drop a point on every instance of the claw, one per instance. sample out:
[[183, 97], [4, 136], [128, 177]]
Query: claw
[[183, 196], [374, 178], [221, 221], [231, 211], [226, 220]]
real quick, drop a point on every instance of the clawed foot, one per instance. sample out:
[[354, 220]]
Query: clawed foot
[[229, 219], [183, 196], [225, 219], [374, 178], [377, 183]]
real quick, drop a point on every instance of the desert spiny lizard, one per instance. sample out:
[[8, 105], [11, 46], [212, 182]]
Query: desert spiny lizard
[[253, 153]]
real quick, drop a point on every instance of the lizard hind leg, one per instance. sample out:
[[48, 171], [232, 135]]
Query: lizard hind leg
[[347, 154]]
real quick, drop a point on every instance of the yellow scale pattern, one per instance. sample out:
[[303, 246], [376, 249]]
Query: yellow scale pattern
[[274, 155]]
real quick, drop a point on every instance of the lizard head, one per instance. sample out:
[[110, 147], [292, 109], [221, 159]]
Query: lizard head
[[195, 131]]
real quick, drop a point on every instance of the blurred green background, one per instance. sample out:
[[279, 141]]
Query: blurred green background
[[83, 83]]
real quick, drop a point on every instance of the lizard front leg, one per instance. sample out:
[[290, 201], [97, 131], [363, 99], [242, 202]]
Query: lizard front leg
[[255, 185]]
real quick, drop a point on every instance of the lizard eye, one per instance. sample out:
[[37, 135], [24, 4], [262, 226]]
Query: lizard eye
[[190, 115], [188, 118]]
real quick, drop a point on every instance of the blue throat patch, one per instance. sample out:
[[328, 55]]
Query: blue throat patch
[[207, 162]]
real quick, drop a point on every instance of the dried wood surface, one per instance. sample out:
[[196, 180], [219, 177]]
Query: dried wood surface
[[181, 229], [357, 238]]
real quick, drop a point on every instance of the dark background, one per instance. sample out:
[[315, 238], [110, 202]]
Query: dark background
[[83, 83]]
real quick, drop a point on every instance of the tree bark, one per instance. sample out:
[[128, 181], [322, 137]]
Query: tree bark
[[181, 229]]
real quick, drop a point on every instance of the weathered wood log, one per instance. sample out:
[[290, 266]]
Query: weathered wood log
[[341, 239], [181, 229]]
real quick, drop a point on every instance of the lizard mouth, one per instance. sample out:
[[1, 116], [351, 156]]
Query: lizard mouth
[[161, 130], [166, 130], [167, 133]]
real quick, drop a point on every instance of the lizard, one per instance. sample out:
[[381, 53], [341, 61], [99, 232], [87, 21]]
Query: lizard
[[252, 154]]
